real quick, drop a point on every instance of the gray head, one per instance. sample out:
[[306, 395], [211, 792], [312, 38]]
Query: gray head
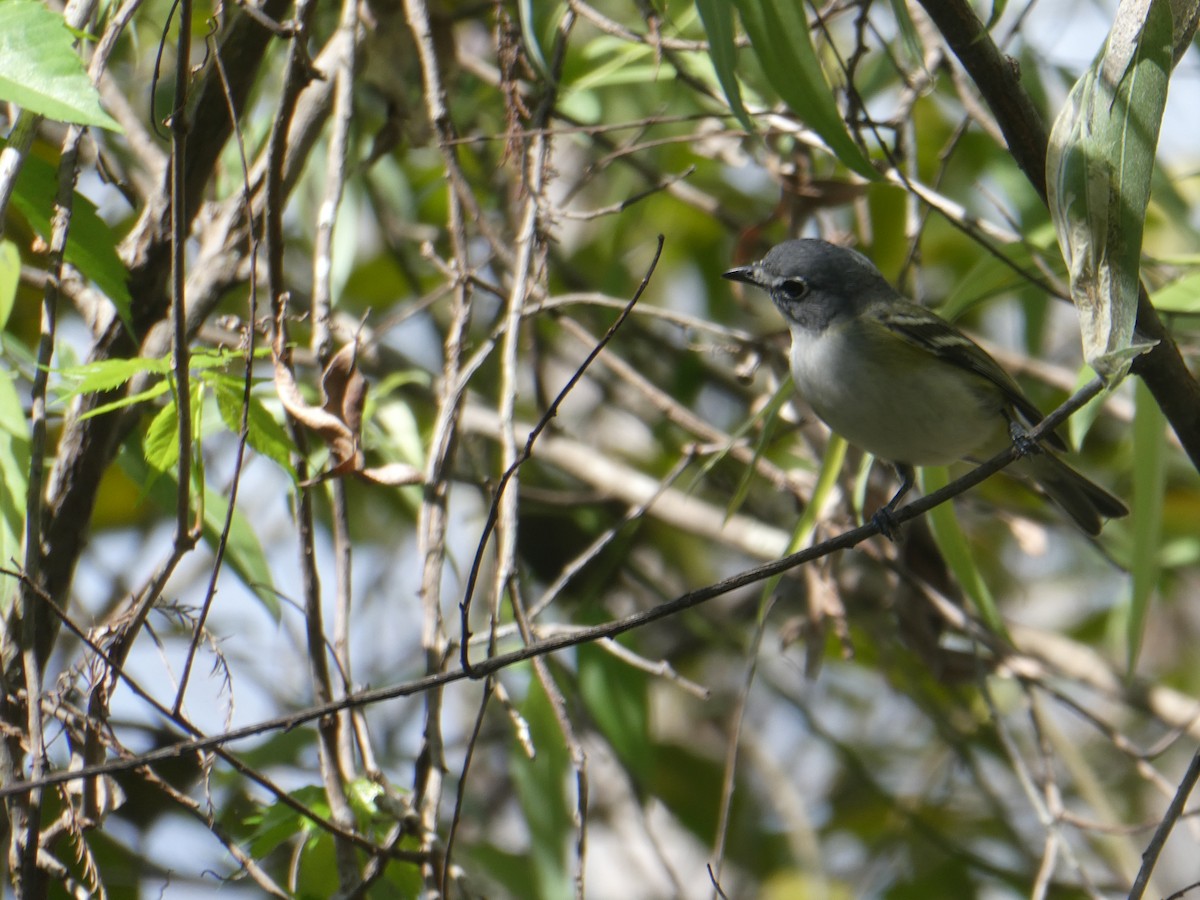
[[815, 283]]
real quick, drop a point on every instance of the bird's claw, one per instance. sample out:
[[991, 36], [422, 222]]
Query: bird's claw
[[885, 521], [1026, 445]]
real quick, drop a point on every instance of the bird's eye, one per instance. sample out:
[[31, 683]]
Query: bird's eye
[[793, 289]]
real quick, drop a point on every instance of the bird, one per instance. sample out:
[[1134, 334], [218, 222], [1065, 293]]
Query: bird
[[903, 384]]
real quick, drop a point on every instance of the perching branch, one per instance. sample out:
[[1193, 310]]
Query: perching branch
[[998, 79], [556, 643]]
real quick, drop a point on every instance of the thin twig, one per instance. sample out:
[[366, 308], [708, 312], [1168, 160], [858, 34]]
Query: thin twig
[[432, 519], [551, 412], [554, 644], [1170, 817], [185, 537], [729, 769], [248, 335], [131, 762]]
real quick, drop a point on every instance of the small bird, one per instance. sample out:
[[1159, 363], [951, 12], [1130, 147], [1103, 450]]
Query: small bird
[[897, 381]]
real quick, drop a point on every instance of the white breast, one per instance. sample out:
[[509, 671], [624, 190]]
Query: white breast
[[916, 409]]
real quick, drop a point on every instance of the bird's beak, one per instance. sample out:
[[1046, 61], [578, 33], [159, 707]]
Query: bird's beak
[[751, 274]]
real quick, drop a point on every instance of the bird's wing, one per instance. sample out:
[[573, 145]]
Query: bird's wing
[[925, 331]]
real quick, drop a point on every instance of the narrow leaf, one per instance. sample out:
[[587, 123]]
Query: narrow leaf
[[108, 374], [766, 416], [1098, 171], [14, 470], [717, 16], [778, 32], [909, 33], [616, 696], [155, 390], [948, 534], [91, 245]]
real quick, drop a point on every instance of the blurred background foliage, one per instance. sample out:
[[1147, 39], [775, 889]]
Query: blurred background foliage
[[837, 734]]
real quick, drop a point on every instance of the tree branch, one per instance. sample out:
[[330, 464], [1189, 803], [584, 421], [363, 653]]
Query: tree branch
[[999, 80]]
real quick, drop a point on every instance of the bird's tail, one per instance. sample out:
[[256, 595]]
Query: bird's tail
[[1084, 501]]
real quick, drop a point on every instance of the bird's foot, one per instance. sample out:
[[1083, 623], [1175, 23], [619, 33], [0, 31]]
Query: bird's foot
[[885, 521], [1026, 445]]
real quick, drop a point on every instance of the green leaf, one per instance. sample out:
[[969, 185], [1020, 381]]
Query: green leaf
[[105, 375], [717, 16], [909, 33], [10, 277], [1149, 485], [540, 785], [767, 416], [511, 871], [778, 32], [401, 880], [162, 439], [831, 468], [157, 389], [91, 246], [363, 795], [529, 37], [681, 768], [1180, 296], [316, 874], [1080, 424], [616, 697], [14, 470], [40, 70], [1098, 171], [265, 435], [943, 522], [991, 276], [278, 822]]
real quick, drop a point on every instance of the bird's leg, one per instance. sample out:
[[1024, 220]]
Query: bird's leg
[[1026, 446], [884, 519]]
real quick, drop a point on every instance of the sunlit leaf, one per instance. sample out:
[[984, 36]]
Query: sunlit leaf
[[1180, 296], [264, 434], [162, 439], [278, 822], [157, 389], [1098, 171], [40, 70], [105, 375]]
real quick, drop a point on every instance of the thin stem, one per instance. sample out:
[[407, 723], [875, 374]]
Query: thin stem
[[179, 229]]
